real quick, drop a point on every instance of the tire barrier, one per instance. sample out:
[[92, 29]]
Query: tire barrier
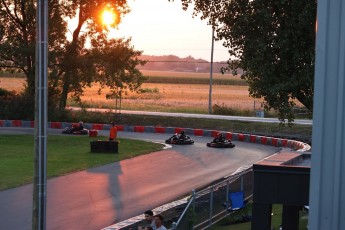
[[264, 140]]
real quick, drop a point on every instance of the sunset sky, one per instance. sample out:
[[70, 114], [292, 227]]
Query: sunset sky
[[160, 27]]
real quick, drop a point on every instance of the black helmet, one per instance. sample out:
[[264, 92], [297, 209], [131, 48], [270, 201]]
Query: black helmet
[[182, 132]]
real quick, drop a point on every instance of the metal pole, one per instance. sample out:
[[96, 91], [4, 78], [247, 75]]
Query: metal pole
[[327, 179], [211, 72], [227, 195], [193, 207], [211, 207], [41, 121]]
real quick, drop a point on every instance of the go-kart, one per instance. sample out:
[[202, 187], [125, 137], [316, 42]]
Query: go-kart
[[178, 140], [221, 144], [71, 130]]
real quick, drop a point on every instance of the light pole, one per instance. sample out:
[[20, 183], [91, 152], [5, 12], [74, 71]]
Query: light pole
[[41, 121], [211, 72]]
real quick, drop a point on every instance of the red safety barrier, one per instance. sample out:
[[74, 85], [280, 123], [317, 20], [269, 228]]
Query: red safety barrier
[[56, 125], [252, 138], [93, 133], [2, 122], [264, 140], [178, 130], [214, 133], [293, 145], [159, 130], [97, 126], [32, 124], [17, 123], [228, 136], [274, 141], [241, 137], [284, 142], [198, 132], [139, 129], [120, 127]]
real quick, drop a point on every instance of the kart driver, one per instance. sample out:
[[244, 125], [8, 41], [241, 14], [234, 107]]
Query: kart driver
[[220, 138], [79, 126], [182, 135]]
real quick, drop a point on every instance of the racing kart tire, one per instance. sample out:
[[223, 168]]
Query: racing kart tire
[[220, 145], [84, 132]]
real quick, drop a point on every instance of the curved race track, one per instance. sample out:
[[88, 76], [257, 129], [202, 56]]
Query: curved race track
[[98, 197]]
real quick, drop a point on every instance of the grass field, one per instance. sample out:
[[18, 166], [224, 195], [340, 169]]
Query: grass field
[[175, 98], [151, 73], [164, 96], [192, 78], [65, 154]]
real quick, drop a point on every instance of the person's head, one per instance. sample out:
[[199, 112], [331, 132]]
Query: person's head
[[148, 228], [113, 123], [148, 215], [81, 123], [182, 132], [158, 220]]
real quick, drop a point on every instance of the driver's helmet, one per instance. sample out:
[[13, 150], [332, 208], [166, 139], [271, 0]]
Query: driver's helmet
[[81, 123], [221, 134], [182, 132]]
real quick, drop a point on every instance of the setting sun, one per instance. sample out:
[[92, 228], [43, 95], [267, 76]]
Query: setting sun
[[108, 18]]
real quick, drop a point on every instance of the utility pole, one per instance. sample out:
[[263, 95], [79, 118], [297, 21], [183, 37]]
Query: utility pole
[[41, 121], [211, 72]]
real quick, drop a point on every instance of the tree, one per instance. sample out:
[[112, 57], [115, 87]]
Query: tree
[[115, 63], [71, 62], [18, 36], [273, 42]]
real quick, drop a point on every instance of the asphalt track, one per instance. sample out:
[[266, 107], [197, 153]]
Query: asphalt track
[[98, 197]]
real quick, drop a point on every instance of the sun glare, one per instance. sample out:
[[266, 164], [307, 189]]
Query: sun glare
[[108, 18]]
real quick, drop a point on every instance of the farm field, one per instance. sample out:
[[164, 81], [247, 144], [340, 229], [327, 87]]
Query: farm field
[[185, 74], [175, 98], [167, 97]]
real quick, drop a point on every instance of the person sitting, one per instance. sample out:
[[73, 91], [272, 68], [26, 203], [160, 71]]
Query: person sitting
[[159, 222], [78, 127], [182, 135], [150, 219], [220, 138]]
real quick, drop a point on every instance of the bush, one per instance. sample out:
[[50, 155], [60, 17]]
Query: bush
[[225, 110], [22, 106], [148, 90], [5, 94], [16, 107]]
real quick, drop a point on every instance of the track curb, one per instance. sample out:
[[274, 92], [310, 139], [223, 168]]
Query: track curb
[[295, 145]]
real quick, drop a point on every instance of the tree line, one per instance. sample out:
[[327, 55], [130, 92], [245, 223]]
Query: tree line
[[178, 64]]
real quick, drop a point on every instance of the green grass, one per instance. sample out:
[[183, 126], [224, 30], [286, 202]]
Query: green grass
[[194, 80], [65, 154], [276, 221]]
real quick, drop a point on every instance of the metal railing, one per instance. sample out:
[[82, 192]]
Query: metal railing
[[207, 206]]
